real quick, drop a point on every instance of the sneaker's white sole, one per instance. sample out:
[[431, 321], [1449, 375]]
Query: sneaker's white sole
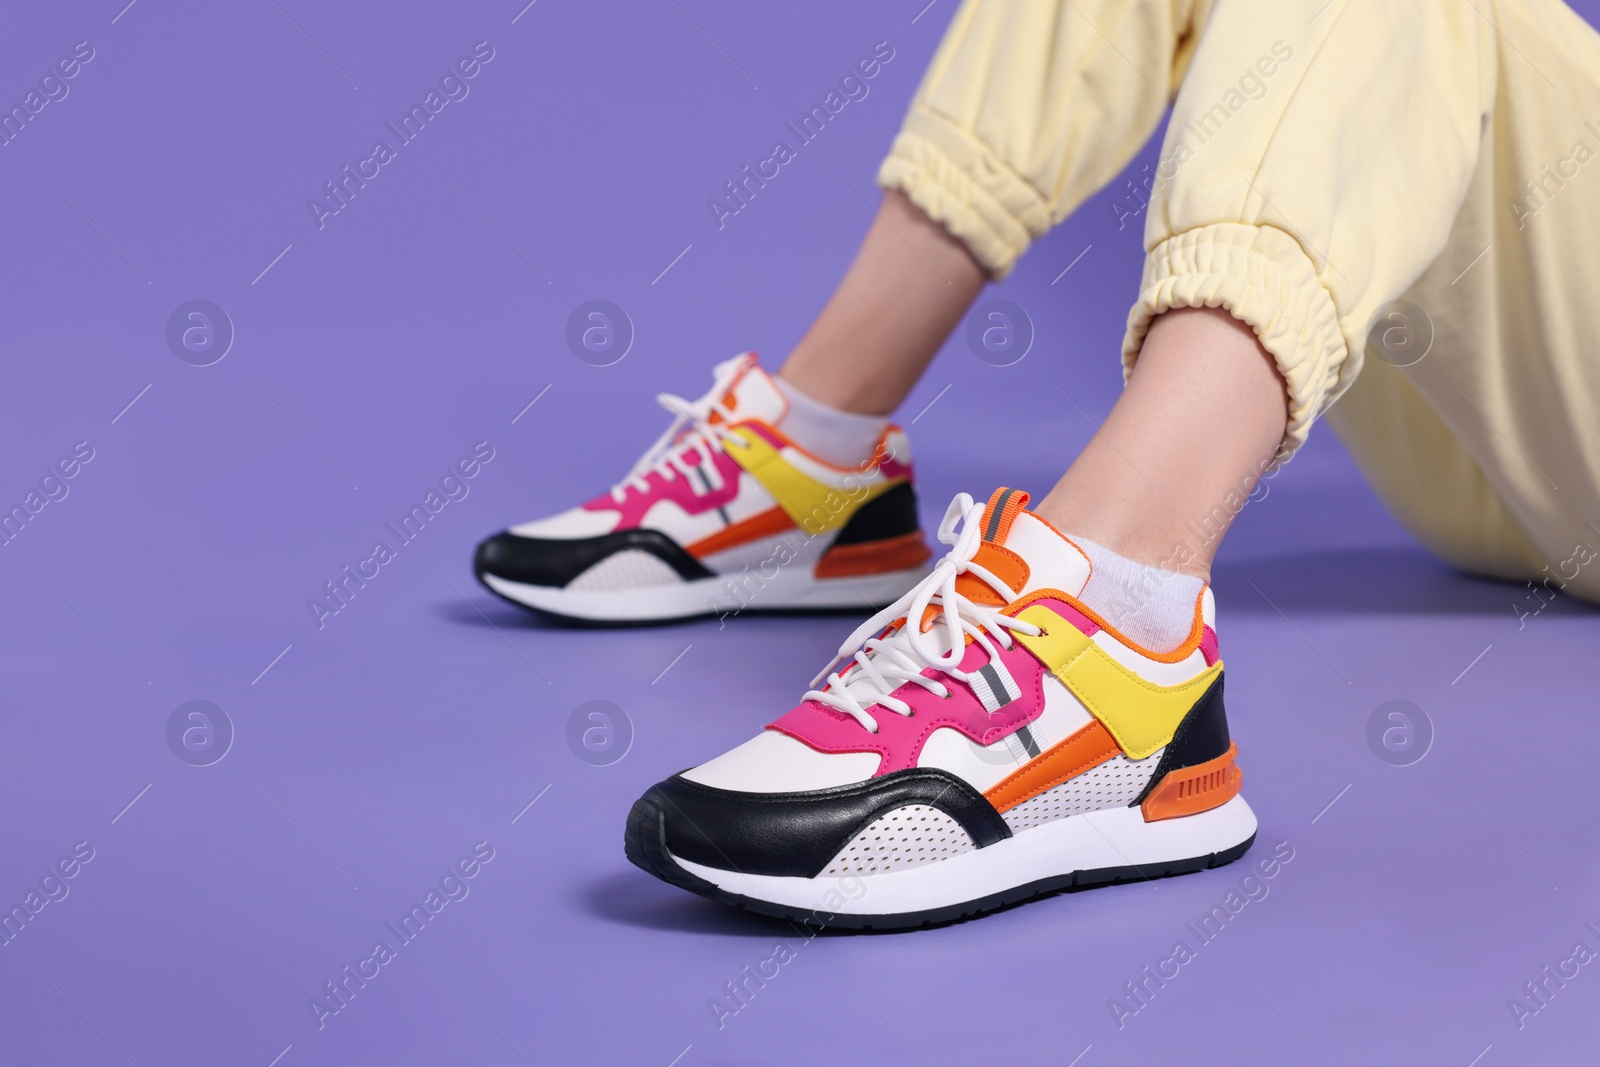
[[1112, 845], [793, 589]]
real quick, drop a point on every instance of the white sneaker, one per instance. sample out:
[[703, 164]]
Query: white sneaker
[[1010, 745], [724, 514]]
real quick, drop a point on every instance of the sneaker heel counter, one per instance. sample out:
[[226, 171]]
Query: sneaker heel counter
[[882, 536], [1197, 771], [1203, 734], [890, 514]]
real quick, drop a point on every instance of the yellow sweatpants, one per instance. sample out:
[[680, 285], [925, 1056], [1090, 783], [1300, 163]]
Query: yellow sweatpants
[[1325, 160]]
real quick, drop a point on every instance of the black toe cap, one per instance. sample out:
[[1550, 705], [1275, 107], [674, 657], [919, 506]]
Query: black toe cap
[[798, 834], [555, 562]]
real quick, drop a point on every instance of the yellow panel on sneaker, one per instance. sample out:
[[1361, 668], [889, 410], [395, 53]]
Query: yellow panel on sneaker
[[1140, 714], [815, 505]]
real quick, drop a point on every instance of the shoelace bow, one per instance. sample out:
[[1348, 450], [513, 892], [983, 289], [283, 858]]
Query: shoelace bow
[[883, 663], [692, 433]]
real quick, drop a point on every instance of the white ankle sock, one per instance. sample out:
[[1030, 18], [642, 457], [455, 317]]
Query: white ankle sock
[[843, 438], [1152, 606]]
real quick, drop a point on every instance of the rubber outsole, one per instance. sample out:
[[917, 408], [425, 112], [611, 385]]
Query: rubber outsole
[[869, 592], [579, 622], [645, 843]]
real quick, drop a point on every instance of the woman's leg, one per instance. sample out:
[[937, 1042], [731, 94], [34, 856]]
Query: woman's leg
[[1284, 198], [1198, 424], [1281, 260], [986, 161], [907, 289]]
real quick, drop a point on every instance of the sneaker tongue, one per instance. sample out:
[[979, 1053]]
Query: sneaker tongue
[[1023, 550], [752, 394]]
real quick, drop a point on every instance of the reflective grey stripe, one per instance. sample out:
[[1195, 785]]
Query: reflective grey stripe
[[698, 476], [994, 515], [1028, 742], [1002, 696]]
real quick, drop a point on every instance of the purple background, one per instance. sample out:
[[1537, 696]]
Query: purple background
[[426, 715]]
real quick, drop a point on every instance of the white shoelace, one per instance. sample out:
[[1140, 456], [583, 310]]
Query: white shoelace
[[883, 664], [692, 433]]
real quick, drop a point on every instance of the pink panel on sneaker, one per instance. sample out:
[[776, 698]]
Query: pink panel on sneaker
[[1208, 646], [892, 468], [900, 738], [635, 503]]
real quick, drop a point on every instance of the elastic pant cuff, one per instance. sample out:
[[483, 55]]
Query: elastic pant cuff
[[1263, 277], [961, 183]]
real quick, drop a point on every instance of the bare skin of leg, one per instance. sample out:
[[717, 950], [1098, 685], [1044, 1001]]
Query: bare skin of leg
[[910, 284], [1203, 413]]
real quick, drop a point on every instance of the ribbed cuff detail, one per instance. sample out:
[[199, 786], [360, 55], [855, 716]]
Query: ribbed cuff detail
[[960, 183], [1264, 278]]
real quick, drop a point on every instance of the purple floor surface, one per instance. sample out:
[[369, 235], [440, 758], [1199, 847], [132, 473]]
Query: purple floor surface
[[363, 757]]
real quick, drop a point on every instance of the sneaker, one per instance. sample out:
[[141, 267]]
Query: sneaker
[[724, 514], [1009, 745]]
